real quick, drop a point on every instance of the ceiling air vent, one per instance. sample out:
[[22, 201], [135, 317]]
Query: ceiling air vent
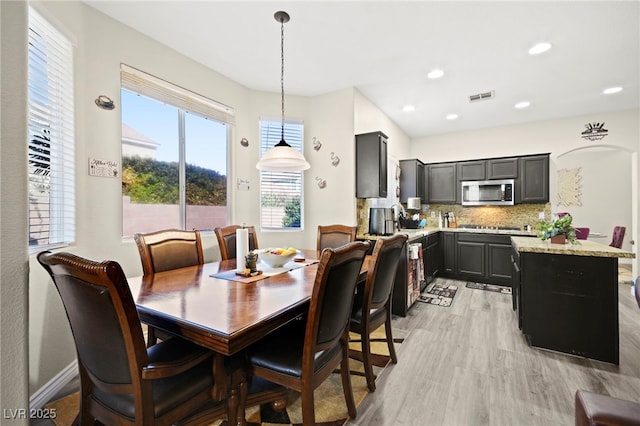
[[482, 96]]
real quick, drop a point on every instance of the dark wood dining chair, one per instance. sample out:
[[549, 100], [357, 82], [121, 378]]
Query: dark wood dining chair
[[618, 236], [302, 354], [122, 381], [334, 236], [166, 250], [227, 240], [372, 307], [169, 249]]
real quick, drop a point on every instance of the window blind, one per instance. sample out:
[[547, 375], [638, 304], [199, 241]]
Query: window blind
[[51, 152], [146, 84], [281, 193]]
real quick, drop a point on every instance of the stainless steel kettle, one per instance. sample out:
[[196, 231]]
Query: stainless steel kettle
[[381, 221]]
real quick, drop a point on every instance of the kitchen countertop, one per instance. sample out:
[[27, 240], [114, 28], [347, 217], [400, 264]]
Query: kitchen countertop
[[584, 248], [421, 232]]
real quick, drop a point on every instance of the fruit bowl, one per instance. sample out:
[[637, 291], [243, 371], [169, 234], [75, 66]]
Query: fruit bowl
[[276, 257]]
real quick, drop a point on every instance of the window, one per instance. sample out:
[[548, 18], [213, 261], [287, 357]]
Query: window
[[174, 156], [281, 195], [50, 143]]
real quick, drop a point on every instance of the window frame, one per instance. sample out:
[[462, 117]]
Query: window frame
[[51, 132]]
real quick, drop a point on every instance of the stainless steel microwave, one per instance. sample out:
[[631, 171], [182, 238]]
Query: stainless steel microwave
[[487, 193]]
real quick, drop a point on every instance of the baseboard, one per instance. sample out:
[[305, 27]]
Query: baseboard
[[53, 386]]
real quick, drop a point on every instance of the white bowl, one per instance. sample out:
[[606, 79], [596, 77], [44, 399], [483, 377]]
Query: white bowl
[[274, 260]]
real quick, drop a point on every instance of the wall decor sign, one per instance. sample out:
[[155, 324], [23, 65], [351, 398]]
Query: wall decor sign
[[594, 132], [104, 168], [570, 187]]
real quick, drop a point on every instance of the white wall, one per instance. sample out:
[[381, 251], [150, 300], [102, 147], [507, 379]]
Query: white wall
[[13, 207]]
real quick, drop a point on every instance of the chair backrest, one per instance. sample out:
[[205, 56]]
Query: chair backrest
[[103, 318], [169, 249], [334, 236], [382, 271], [227, 240], [618, 236], [582, 233], [332, 297]]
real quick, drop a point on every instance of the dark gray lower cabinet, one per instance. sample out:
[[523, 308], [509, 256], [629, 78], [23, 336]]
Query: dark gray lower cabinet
[[479, 257], [431, 255]]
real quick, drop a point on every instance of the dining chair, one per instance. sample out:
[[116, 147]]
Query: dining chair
[[372, 307], [618, 236], [227, 240], [334, 236], [166, 250], [302, 354], [582, 233], [122, 381]]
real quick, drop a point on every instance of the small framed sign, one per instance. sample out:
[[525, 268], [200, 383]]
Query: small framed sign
[[104, 168]]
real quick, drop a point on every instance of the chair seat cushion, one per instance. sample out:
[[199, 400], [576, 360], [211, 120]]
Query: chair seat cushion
[[282, 351], [377, 316], [169, 392], [594, 409]]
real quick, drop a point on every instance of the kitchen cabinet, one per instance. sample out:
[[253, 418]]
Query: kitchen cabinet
[[442, 181], [502, 168], [472, 170], [412, 180], [533, 182], [515, 285], [371, 165], [431, 257], [479, 257]]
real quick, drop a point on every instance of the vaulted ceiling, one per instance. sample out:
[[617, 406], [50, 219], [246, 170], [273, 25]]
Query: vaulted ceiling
[[385, 49]]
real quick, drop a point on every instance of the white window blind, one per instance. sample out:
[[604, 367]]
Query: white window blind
[[146, 84], [281, 194], [51, 159]]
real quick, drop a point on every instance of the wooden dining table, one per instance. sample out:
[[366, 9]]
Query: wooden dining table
[[225, 315]]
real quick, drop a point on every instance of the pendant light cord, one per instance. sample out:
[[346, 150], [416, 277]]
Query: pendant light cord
[[282, 73]]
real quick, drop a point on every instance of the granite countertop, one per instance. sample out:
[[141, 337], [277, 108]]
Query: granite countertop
[[584, 248], [421, 232]]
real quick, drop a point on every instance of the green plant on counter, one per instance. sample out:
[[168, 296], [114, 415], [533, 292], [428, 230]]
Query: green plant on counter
[[560, 226]]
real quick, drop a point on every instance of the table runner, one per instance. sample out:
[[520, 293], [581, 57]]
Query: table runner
[[266, 271]]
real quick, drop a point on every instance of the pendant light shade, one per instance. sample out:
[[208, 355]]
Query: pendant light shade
[[282, 157]]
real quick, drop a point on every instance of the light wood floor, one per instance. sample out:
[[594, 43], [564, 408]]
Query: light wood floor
[[469, 364]]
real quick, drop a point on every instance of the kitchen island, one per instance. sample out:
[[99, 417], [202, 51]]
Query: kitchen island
[[566, 296]]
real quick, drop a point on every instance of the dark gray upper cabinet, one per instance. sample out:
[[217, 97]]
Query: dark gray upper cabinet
[[371, 165], [412, 180], [442, 181], [502, 168], [472, 170], [533, 185]]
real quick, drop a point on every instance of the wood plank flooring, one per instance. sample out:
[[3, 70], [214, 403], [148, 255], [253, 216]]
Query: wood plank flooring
[[469, 364]]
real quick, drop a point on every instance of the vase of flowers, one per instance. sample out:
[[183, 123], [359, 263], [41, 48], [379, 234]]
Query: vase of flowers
[[559, 230]]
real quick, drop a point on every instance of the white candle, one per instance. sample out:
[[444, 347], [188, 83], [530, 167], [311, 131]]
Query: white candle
[[242, 248]]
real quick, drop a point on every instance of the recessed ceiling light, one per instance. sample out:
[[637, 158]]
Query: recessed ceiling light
[[451, 116], [521, 105], [539, 48], [612, 90], [408, 108], [435, 74]]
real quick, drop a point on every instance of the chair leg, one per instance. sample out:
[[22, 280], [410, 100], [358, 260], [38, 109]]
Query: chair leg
[[387, 332], [346, 377], [308, 410], [151, 336], [366, 360]]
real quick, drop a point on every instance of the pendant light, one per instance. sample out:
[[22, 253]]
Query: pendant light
[[282, 157]]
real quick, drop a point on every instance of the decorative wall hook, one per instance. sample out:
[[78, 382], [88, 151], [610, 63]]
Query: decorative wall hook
[[244, 142], [105, 102], [321, 182], [316, 144], [335, 160]]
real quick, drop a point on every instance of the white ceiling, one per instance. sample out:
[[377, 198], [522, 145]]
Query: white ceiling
[[386, 48]]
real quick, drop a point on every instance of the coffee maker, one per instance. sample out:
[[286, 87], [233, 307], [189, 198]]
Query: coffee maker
[[381, 221]]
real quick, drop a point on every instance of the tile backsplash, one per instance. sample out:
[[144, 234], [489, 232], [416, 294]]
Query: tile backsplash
[[492, 216]]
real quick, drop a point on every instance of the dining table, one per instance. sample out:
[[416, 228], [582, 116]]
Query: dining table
[[215, 307]]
